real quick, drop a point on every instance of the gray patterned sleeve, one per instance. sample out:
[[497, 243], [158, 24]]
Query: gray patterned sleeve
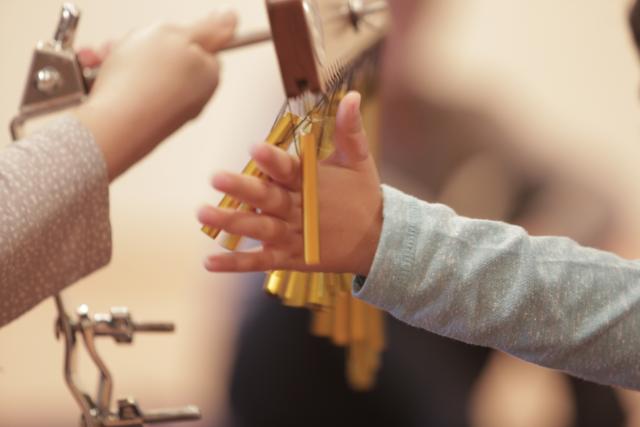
[[54, 214], [544, 299]]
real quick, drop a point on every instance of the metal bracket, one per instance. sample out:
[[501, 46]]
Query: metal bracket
[[118, 325], [56, 81]]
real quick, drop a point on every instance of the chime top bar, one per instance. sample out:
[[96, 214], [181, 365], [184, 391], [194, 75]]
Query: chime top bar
[[317, 41]]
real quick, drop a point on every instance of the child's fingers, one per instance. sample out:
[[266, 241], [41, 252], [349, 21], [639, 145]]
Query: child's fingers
[[264, 195], [214, 31], [262, 260], [89, 58], [279, 165], [350, 138], [260, 227]]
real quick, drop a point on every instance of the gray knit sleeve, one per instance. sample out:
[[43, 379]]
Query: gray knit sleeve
[[544, 299], [54, 214]]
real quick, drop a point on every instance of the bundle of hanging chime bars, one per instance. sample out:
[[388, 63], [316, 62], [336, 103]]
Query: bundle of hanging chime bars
[[324, 51]]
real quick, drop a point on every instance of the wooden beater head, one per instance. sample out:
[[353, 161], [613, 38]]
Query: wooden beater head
[[318, 40]]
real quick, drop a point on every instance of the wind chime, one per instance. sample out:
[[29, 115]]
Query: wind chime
[[325, 49]]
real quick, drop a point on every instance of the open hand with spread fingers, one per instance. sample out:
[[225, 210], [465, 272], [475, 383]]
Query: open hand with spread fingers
[[349, 197]]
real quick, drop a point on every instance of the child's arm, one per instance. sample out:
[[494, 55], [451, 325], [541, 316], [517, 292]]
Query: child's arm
[[154, 80], [54, 199], [544, 299]]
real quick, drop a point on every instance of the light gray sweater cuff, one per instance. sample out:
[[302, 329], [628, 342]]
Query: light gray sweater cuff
[[394, 261]]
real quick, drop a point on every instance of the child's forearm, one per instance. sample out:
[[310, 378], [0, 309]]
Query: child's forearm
[[544, 299], [54, 215]]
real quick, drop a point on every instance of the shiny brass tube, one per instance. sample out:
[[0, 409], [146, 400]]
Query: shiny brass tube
[[310, 209], [322, 322], [340, 335], [358, 321], [296, 293], [275, 283], [318, 292]]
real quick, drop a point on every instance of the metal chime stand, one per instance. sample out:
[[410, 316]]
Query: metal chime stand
[[57, 81]]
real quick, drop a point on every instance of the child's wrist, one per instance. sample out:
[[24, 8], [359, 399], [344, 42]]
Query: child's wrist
[[110, 133], [93, 120], [371, 240]]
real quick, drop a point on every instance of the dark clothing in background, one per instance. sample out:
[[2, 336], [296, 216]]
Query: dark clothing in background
[[284, 377]]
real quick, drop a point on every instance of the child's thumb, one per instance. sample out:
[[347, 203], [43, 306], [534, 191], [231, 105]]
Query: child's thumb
[[350, 139], [214, 31]]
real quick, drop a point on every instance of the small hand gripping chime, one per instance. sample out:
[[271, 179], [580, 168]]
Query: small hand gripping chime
[[325, 48]]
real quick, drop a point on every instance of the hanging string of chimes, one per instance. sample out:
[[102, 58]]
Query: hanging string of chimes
[[320, 60]]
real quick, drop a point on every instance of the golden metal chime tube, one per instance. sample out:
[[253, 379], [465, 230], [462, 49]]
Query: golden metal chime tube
[[296, 293], [282, 136], [335, 314], [319, 295], [276, 283], [311, 220]]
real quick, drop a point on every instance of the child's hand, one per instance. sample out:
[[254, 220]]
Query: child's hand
[[151, 83], [91, 58], [350, 206]]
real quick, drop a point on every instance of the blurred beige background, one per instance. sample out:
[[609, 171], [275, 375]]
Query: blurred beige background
[[546, 71], [560, 77]]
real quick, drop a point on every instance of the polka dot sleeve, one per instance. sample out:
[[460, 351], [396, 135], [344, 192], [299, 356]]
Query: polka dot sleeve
[[54, 214]]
